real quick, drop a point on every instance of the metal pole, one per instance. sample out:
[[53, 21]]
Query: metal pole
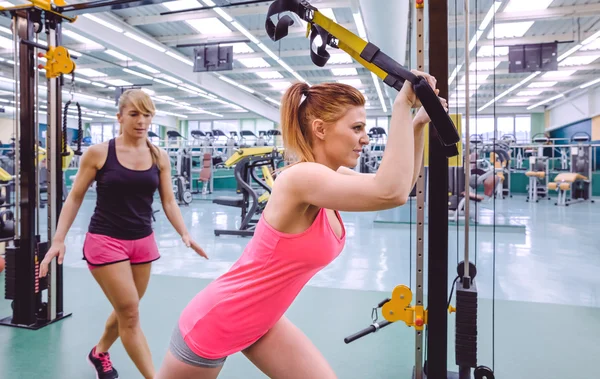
[[25, 302], [54, 140], [17, 126], [420, 207], [36, 142], [437, 204], [467, 154]]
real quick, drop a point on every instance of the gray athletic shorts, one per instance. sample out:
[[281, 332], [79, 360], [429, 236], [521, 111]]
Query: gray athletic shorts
[[181, 351]]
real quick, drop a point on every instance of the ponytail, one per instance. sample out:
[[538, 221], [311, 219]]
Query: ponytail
[[293, 124]]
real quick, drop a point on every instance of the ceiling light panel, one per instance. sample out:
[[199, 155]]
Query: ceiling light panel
[[527, 5], [592, 45], [509, 30], [472, 87], [344, 71], [240, 47], [6, 43], [339, 58], [518, 100], [530, 92], [90, 73], [580, 60], [182, 5], [254, 62], [484, 66], [82, 39], [351, 82], [474, 79], [209, 26], [117, 55], [147, 68], [269, 75], [542, 84], [558, 74], [280, 85], [490, 51], [118, 82]]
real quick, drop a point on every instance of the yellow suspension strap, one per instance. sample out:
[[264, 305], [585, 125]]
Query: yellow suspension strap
[[367, 54]]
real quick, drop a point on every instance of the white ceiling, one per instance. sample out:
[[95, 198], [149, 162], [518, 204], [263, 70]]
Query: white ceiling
[[575, 24], [263, 68]]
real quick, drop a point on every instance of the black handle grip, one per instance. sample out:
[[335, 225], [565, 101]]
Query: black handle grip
[[368, 330]]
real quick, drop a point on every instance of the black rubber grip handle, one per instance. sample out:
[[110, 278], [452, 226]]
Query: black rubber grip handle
[[368, 330]]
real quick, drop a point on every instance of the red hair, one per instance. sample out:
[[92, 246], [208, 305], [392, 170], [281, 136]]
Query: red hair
[[302, 104]]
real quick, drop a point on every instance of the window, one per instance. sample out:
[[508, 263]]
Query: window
[[383, 122], [483, 127], [505, 125], [192, 125], [108, 131], [264, 125], [249, 125], [227, 125], [155, 128], [371, 123], [206, 126], [523, 128]]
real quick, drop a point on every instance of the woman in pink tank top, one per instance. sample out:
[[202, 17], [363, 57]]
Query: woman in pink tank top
[[299, 233]]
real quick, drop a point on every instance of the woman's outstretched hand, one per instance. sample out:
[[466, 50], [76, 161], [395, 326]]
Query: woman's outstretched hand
[[189, 242]]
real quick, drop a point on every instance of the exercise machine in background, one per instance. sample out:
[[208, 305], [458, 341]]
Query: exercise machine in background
[[538, 170], [578, 182], [248, 163], [182, 178], [27, 250]]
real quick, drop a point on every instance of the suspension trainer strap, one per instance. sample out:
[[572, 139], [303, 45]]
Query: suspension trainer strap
[[367, 54]]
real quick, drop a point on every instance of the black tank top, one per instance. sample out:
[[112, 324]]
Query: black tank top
[[124, 199]]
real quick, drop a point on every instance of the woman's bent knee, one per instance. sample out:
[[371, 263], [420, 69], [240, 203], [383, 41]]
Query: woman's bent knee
[[128, 316]]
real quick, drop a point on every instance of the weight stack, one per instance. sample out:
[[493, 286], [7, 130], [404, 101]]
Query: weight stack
[[466, 325], [10, 280]]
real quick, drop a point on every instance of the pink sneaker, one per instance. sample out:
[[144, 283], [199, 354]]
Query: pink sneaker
[[102, 364]]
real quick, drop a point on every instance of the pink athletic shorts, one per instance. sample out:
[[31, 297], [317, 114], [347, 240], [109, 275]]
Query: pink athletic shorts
[[101, 250]]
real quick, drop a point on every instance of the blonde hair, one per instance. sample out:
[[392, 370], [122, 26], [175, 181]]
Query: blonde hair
[[302, 104], [142, 102]]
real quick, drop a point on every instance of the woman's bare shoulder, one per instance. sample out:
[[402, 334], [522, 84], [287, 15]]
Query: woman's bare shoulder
[[95, 155]]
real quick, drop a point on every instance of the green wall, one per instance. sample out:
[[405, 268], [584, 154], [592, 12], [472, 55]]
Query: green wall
[[537, 123]]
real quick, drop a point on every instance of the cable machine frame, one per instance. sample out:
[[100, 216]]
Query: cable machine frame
[[25, 253], [442, 145]]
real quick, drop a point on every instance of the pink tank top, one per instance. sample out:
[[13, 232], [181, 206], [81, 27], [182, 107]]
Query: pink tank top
[[240, 306]]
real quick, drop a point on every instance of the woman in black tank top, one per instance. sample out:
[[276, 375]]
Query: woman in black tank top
[[120, 246]]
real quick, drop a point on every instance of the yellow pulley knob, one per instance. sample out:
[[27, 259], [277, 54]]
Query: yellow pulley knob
[[398, 308], [451, 309], [58, 62]]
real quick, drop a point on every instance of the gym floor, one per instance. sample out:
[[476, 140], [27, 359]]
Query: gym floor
[[543, 315]]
